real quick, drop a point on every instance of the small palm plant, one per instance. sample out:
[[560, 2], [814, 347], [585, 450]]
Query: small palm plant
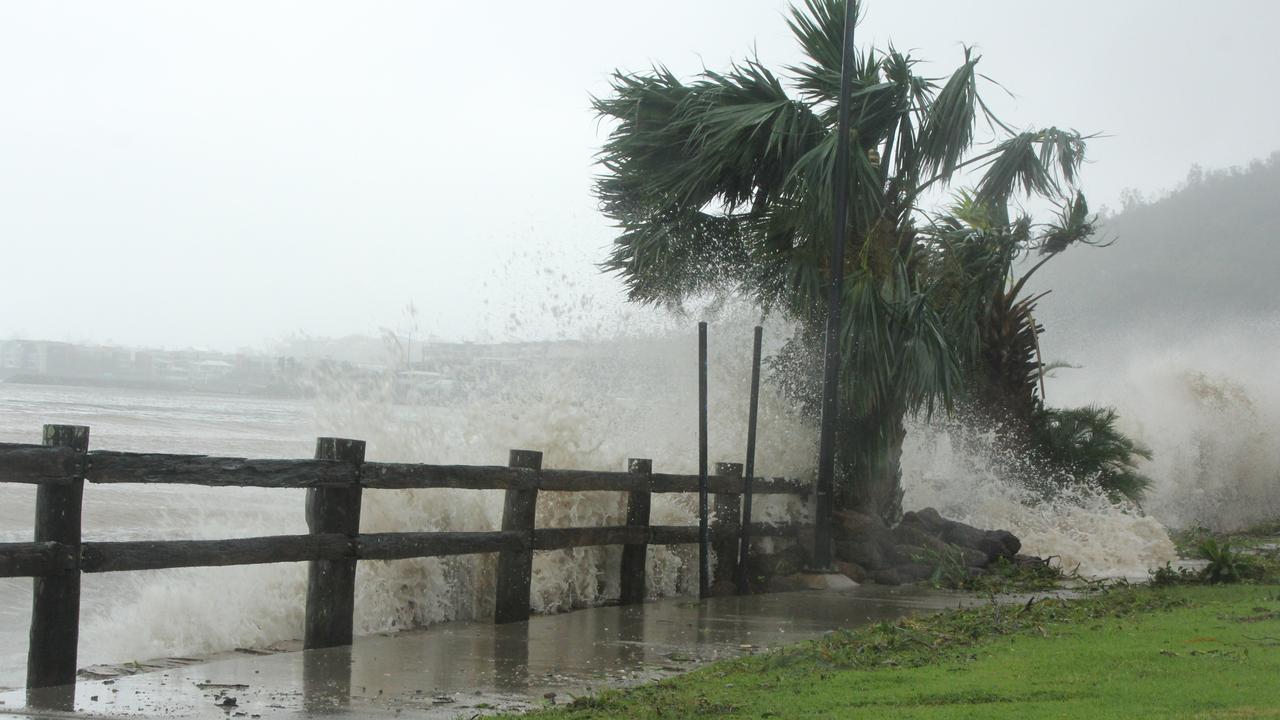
[[1083, 445], [1227, 565]]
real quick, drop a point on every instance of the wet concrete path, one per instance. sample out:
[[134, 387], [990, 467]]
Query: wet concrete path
[[464, 669]]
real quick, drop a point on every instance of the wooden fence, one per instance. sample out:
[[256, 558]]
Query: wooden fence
[[335, 481]]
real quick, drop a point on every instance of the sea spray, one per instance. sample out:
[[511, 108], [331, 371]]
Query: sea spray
[[585, 405], [592, 405], [1080, 528], [1206, 401]]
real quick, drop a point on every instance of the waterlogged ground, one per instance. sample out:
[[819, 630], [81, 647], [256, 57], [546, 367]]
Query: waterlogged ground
[[464, 669]]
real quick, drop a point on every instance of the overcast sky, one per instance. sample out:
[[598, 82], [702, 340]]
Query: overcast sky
[[221, 174]]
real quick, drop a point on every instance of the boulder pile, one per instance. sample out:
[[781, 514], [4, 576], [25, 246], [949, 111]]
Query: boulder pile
[[867, 550]]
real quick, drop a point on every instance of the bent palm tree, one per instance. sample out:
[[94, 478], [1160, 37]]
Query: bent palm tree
[[1004, 388], [725, 183], [975, 260]]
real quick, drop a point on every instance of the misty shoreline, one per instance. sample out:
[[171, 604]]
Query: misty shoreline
[[221, 389]]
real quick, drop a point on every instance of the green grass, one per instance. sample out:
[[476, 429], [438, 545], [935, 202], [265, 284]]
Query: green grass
[[1177, 652]]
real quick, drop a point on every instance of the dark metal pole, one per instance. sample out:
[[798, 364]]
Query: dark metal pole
[[752, 416], [831, 375], [704, 533]]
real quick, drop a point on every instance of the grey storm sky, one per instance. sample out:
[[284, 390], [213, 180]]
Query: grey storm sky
[[221, 174]]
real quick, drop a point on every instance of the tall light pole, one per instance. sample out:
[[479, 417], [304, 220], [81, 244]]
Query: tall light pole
[[831, 368]]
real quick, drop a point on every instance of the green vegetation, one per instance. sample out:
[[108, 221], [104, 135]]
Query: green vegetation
[[1250, 554], [1002, 576], [724, 183], [1190, 542], [1083, 445], [1181, 652], [1045, 447]]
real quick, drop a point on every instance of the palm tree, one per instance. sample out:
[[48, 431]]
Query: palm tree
[[724, 183], [978, 259]]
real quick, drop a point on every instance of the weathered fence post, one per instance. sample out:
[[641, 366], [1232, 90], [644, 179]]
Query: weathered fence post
[[55, 600], [727, 528], [515, 567], [634, 555], [331, 584]]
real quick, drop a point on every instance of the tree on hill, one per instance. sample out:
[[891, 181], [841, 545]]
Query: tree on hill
[[724, 183], [1203, 254]]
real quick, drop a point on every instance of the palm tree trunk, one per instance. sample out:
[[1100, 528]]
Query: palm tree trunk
[[870, 464]]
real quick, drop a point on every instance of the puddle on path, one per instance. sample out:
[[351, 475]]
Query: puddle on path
[[464, 669]]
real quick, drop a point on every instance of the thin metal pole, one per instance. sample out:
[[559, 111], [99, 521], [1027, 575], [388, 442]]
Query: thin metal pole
[[752, 416], [831, 375], [704, 532]]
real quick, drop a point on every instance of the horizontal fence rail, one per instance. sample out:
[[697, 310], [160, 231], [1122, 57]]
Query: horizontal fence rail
[[334, 481], [39, 559], [37, 464]]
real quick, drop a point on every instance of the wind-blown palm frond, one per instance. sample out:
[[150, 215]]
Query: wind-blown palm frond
[[1032, 163], [819, 28], [947, 133]]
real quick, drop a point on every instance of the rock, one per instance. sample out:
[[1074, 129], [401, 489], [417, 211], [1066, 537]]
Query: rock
[[930, 518], [905, 555], [851, 525], [917, 536], [863, 552], [997, 544], [972, 557], [963, 535], [887, 576], [911, 551], [1011, 542], [853, 571]]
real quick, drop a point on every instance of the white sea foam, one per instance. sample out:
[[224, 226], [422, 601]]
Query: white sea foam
[[1082, 530]]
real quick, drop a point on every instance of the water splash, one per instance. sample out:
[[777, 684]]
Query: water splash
[[1080, 528], [592, 405], [1208, 405], [584, 405]]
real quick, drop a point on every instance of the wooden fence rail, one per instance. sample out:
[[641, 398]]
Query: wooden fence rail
[[335, 481]]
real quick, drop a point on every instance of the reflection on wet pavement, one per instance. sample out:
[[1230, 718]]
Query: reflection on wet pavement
[[464, 669]]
